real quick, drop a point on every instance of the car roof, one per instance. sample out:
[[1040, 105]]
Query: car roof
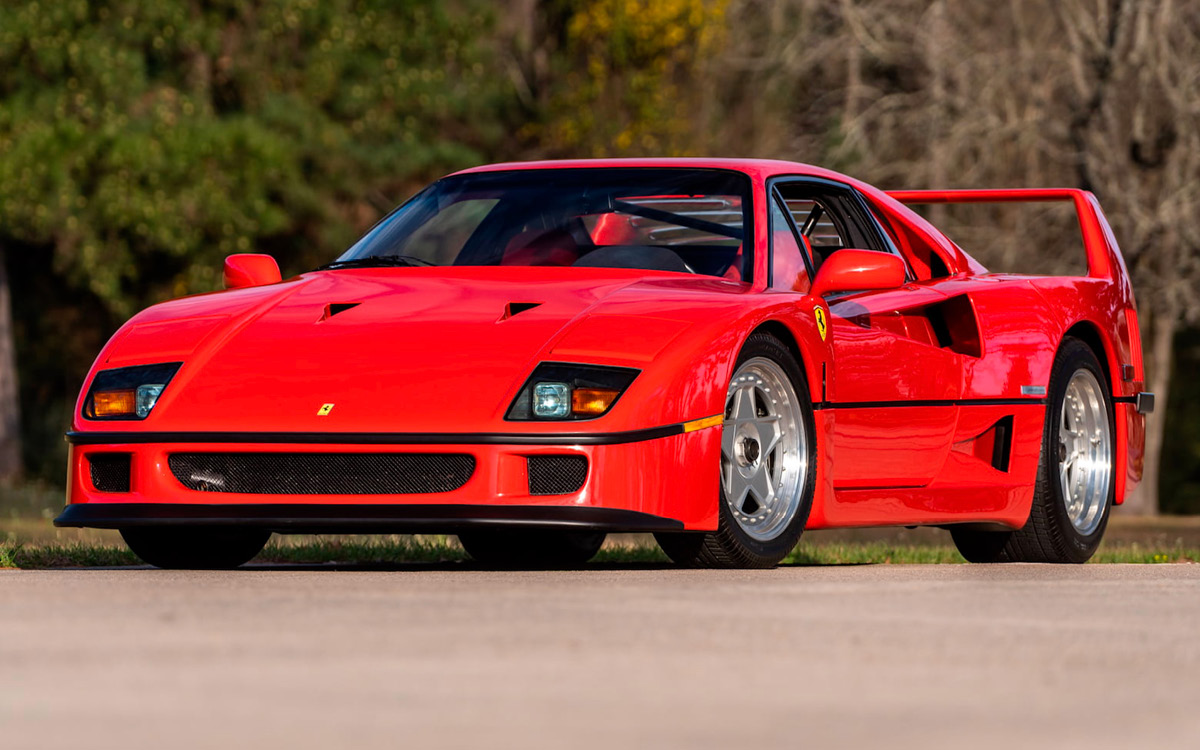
[[759, 168]]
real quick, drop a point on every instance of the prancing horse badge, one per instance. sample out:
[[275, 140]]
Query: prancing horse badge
[[819, 314]]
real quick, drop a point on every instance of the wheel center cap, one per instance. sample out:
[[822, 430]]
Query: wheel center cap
[[750, 450]]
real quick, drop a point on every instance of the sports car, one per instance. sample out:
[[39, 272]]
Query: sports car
[[719, 352]]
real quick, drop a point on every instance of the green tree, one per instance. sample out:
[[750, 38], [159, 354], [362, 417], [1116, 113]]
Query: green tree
[[142, 142], [618, 77]]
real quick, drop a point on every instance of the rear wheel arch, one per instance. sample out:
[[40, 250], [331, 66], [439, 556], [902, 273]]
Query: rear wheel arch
[[1089, 333], [1107, 352]]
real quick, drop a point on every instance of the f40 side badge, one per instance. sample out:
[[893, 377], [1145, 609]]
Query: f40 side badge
[[324, 410], [819, 314]]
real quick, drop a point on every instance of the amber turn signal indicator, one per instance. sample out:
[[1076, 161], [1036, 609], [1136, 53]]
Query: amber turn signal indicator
[[114, 403], [592, 401]]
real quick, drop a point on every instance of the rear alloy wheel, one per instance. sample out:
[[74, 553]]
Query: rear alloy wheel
[[531, 547], [1074, 491], [215, 548], [768, 457]]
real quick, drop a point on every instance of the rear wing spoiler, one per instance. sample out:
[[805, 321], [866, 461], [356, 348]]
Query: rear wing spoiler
[[1103, 254]]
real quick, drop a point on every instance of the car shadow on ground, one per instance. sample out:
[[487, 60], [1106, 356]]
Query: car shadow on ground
[[460, 567]]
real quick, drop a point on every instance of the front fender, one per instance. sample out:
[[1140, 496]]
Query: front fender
[[686, 377]]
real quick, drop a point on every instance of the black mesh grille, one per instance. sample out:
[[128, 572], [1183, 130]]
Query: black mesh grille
[[556, 475], [322, 473], [110, 471]]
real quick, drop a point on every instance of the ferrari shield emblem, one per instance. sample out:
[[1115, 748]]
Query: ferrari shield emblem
[[326, 408], [819, 314]]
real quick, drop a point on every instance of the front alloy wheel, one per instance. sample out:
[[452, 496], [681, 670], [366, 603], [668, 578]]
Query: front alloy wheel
[[764, 450], [767, 460]]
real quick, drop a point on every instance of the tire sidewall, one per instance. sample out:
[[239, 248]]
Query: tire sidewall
[[1073, 357]]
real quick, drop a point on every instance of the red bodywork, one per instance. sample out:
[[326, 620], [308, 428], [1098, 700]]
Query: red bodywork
[[912, 386]]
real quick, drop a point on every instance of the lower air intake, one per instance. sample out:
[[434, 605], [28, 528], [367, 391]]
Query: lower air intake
[[110, 471], [556, 475], [322, 473]]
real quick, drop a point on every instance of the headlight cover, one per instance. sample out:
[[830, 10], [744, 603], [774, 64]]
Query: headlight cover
[[127, 393], [562, 391]]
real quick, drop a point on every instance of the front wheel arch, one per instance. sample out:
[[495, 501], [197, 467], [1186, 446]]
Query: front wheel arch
[[780, 330]]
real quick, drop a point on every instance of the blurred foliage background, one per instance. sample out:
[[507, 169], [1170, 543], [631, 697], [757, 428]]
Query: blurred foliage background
[[140, 143]]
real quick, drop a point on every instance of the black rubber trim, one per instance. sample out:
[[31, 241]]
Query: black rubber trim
[[932, 402], [378, 438], [329, 518], [1143, 402]]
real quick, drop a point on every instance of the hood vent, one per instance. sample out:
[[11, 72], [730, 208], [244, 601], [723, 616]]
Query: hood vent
[[333, 308], [516, 308]]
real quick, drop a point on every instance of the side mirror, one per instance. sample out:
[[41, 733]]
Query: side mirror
[[858, 271], [250, 269]]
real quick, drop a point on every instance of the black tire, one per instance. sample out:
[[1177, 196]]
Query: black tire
[[215, 548], [540, 548], [730, 546], [1049, 536]]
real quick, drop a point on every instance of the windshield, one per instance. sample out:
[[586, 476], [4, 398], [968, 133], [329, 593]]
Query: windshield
[[684, 220]]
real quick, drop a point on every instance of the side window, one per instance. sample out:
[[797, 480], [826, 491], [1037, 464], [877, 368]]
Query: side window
[[789, 272], [816, 222], [832, 217]]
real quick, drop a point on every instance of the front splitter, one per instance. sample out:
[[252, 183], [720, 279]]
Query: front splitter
[[330, 518]]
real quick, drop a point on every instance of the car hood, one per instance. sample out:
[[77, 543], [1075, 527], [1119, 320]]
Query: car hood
[[393, 350]]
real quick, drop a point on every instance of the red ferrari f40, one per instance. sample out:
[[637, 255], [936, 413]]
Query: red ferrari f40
[[720, 352]]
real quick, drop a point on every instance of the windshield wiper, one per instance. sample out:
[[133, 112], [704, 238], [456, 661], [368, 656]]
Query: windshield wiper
[[379, 261]]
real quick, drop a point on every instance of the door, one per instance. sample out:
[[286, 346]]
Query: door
[[893, 384]]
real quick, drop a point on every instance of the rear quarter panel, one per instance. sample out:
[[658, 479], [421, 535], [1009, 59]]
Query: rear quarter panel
[[1023, 320]]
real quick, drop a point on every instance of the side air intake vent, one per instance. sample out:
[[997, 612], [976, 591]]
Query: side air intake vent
[[992, 446], [954, 324], [110, 471], [516, 308], [333, 308], [556, 475]]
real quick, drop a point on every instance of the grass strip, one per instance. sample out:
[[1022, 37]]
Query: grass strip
[[401, 550]]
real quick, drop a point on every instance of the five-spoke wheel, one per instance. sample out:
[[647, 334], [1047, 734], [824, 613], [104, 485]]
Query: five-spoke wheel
[[764, 449], [767, 460]]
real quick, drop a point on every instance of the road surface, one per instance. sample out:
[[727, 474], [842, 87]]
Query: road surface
[[1022, 656]]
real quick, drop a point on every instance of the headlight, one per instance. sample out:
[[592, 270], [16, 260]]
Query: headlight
[[551, 400], [562, 391], [128, 392]]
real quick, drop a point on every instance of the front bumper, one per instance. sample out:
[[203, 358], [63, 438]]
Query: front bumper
[[661, 479]]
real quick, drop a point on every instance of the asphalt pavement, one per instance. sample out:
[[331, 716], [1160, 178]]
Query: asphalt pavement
[[1096, 656]]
